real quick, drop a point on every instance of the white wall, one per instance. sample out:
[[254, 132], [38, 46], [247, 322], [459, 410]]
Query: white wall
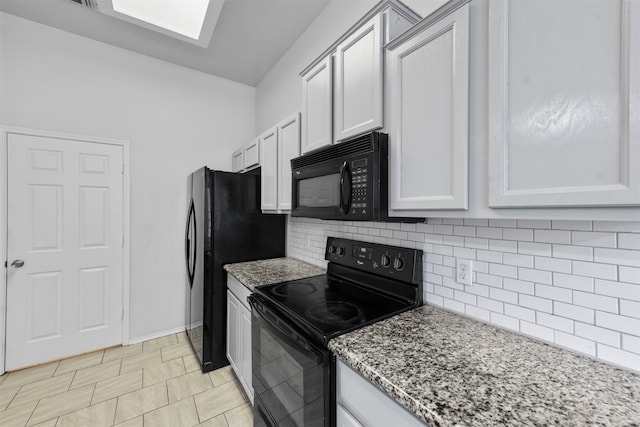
[[175, 119]]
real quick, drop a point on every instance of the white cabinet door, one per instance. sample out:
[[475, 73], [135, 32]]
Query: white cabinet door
[[317, 106], [233, 330], [237, 160], [358, 81], [564, 92], [245, 351], [288, 148], [269, 170], [428, 87], [252, 154]]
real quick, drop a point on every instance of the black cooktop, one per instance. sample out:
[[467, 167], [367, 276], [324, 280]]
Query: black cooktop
[[365, 283], [331, 306]]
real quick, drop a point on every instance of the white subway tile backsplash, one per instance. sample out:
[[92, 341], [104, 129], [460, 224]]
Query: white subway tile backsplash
[[630, 308], [478, 313], [505, 321], [629, 241], [571, 225], [580, 253], [625, 324], [579, 283], [553, 264], [576, 343], [593, 239], [529, 248], [503, 270], [552, 236], [601, 335], [553, 292], [591, 269], [504, 296], [520, 286], [618, 289], [555, 322], [518, 260], [596, 301], [572, 283], [489, 232], [521, 234], [520, 312], [617, 256], [629, 274], [536, 303], [537, 331], [534, 223], [574, 312], [619, 226], [538, 276], [618, 357], [631, 343]]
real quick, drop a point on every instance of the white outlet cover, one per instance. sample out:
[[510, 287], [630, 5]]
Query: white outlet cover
[[464, 272]]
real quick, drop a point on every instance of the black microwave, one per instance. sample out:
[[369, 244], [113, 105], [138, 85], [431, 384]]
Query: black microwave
[[347, 181]]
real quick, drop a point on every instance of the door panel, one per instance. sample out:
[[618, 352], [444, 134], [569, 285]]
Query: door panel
[[65, 220]]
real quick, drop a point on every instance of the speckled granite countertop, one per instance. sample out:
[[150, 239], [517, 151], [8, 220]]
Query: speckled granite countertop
[[450, 370], [263, 272]]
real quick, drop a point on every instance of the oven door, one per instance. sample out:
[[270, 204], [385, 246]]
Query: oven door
[[291, 376]]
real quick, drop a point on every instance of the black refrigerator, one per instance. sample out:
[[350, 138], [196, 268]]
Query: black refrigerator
[[224, 225]]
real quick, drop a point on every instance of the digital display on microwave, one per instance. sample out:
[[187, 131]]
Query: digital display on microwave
[[319, 192]]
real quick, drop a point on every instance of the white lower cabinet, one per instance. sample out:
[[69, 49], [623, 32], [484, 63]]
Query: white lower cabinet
[[360, 403], [239, 333]]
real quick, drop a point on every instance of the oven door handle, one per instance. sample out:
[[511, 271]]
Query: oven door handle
[[285, 332], [345, 188]]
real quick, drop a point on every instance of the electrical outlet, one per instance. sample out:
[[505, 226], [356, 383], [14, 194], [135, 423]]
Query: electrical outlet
[[464, 271]]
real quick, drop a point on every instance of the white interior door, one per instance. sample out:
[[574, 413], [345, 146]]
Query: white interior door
[[65, 223]]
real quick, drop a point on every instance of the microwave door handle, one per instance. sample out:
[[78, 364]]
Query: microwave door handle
[[345, 187]]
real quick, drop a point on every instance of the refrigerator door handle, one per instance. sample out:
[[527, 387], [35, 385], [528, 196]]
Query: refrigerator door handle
[[190, 240]]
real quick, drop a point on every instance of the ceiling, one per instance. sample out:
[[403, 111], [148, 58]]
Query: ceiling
[[249, 38]]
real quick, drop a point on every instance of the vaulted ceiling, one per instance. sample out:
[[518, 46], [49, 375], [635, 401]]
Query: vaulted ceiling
[[249, 38]]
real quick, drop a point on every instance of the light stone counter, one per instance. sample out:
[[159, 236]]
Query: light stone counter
[[267, 271], [451, 370]]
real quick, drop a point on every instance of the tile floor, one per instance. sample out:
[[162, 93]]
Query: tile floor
[[154, 383]]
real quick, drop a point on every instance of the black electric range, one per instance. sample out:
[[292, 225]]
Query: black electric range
[[292, 322]]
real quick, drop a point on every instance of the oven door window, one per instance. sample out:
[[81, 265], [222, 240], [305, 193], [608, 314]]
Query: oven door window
[[319, 192], [290, 379]]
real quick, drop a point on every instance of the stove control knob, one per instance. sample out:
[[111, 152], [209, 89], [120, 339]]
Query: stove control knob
[[385, 260], [332, 249], [398, 263], [341, 251]]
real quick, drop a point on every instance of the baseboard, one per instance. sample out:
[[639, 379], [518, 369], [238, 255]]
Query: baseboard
[[155, 335]]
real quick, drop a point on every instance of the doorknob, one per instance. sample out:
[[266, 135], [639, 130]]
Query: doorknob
[[17, 263]]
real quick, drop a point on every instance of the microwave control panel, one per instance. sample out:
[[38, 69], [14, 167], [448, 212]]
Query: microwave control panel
[[360, 202]]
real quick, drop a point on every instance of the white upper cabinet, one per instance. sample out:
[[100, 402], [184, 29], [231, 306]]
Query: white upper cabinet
[[252, 154], [358, 81], [237, 160], [278, 146], [564, 92], [428, 113], [288, 148], [316, 106], [342, 90], [269, 170], [247, 157]]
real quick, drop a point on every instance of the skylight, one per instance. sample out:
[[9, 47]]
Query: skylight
[[180, 16]]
